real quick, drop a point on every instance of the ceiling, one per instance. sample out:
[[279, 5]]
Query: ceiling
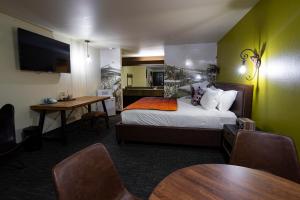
[[133, 24]]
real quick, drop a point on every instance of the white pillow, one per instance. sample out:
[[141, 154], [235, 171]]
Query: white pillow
[[226, 100], [210, 99]]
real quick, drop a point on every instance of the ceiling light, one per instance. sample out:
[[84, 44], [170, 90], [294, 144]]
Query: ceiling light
[[147, 52], [189, 63], [198, 77]]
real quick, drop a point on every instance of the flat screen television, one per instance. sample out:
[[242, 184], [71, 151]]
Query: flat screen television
[[40, 53]]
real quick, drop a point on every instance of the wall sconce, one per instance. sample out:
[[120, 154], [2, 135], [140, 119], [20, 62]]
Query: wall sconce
[[88, 57], [256, 60]]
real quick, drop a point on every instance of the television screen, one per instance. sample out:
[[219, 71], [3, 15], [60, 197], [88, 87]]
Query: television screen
[[39, 53]]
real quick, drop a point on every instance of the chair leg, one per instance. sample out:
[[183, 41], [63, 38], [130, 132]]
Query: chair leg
[[92, 123], [107, 122], [81, 125], [119, 142], [94, 120]]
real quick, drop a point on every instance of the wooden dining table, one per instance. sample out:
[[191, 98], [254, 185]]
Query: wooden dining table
[[63, 106], [218, 181]]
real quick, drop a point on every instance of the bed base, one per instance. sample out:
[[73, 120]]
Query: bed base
[[242, 107], [168, 135]]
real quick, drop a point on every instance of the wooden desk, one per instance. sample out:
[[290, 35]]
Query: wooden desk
[[63, 106], [132, 94], [224, 182]]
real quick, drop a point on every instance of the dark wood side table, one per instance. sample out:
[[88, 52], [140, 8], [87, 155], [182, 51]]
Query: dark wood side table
[[229, 135]]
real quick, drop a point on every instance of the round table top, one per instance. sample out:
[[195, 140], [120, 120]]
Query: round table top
[[216, 181]]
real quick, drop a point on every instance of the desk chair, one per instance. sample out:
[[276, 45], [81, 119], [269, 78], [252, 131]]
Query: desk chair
[[8, 144], [94, 115], [89, 175], [265, 151]]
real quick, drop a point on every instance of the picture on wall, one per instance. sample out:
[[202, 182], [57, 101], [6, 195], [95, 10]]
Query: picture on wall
[[178, 80], [111, 79]]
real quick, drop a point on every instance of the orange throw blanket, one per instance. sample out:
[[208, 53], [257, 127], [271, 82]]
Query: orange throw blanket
[[154, 103]]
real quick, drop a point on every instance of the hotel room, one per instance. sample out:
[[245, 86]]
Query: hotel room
[[158, 100]]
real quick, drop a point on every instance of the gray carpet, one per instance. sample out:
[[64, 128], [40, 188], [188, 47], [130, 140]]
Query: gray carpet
[[141, 166]]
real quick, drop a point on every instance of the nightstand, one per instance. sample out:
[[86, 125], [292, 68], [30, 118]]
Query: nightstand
[[229, 134]]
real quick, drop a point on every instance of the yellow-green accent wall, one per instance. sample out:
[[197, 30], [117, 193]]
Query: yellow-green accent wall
[[138, 73], [276, 101]]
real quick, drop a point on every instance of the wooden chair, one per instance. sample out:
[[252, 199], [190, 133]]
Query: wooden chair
[[89, 175], [92, 116], [269, 152]]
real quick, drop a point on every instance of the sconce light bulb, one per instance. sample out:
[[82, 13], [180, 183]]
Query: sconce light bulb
[[242, 69]]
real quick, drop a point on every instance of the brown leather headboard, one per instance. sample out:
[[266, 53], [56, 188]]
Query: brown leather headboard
[[242, 105]]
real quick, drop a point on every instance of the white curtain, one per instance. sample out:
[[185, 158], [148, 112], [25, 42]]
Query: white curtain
[[78, 68]]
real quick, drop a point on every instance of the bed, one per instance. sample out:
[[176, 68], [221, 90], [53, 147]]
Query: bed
[[195, 127]]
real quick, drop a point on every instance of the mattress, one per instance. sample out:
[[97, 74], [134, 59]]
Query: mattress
[[186, 115]]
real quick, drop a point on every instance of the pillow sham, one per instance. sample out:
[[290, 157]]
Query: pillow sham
[[226, 100], [210, 99], [196, 96]]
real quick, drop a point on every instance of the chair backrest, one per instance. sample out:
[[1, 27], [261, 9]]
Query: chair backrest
[[265, 151], [7, 124], [88, 174]]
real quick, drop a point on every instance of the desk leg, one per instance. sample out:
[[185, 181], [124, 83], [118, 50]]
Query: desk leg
[[106, 117], [63, 126], [90, 110], [41, 121]]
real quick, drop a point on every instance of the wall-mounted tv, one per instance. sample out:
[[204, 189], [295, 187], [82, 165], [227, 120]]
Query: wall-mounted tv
[[40, 53]]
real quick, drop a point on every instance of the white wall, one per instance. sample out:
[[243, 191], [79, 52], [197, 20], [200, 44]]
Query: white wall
[[112, 57], [191, 55], [24, 88]]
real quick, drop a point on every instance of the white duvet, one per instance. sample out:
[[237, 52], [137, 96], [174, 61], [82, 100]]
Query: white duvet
[[186, 115]]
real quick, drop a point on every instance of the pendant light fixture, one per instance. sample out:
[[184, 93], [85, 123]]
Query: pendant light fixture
[[88, 57]]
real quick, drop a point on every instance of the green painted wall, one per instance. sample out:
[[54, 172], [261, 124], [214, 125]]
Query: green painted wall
[[139, 75], [276, 106]]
